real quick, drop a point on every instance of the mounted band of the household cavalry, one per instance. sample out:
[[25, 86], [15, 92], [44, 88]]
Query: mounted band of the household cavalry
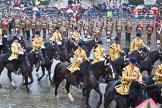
[[80, 56]]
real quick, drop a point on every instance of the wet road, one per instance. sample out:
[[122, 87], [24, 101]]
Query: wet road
[[43, 97]]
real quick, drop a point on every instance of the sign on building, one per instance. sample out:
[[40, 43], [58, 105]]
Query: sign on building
[[149, 2]]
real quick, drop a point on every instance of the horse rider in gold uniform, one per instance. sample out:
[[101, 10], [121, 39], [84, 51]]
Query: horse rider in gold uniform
[[37, 41], [78, 58], [130, 73], [76, 35], [16, 50], [57, 40], [56, 37], [115, 50], [158, 75], [136, 43], [99, 52], [38, 44]]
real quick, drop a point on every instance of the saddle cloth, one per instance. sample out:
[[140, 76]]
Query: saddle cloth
[[73, 67]]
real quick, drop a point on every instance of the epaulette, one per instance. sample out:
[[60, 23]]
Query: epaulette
[[112, 46], [124, 69]]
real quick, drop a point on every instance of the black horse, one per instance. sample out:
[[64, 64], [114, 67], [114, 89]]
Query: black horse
[[89, 74], [5, 47], [70, 47], [154, 92], [139, 54], [123, 61], [120, 63], [24, 66], [45, 55], [87, 46], [61, 52], [148, 63], [137, 94]]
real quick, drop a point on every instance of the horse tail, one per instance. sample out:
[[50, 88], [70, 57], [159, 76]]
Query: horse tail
[[55, 74]]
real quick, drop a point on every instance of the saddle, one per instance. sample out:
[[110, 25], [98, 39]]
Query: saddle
[[73, 68]]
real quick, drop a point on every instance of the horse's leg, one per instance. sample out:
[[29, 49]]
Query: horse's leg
[[87, 98], [97, 89], [26, 84], [1, 69], [49, 74], [68, 91], [0, 75], [57, 83], [31, 79], [11, 81], [149, 72], [84, 91], [43, 73]]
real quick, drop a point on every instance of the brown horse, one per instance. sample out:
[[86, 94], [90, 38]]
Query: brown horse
[[25, 68], [89, 74]]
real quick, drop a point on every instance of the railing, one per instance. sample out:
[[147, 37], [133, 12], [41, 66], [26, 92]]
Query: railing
[[95, 15]]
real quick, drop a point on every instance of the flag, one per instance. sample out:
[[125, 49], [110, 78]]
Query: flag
[[149, 103]]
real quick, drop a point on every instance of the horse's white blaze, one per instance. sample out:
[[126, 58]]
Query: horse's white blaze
[[113, 74], [13, 84], [105, 62]]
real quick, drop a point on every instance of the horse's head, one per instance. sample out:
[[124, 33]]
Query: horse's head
[[137, 93], [85, 48], [139, 54], [72, 44], [39, 57], [160, 55], [109, 71]]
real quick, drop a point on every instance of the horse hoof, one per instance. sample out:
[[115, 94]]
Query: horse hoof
[[14, 87], [71, 100], [0, 86], [88, 106], [57, 97], [29, 91]]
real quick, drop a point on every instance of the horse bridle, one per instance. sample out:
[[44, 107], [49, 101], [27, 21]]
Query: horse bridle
[[160, 53], [140, 52], [126, 59], [111, 67]]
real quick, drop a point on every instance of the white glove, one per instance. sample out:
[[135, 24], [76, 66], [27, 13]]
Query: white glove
[[148, 48], [42, 46], [102, 59], [79, 59]]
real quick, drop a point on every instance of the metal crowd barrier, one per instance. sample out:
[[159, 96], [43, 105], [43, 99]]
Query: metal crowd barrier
[[134, 17], [95, 15]]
